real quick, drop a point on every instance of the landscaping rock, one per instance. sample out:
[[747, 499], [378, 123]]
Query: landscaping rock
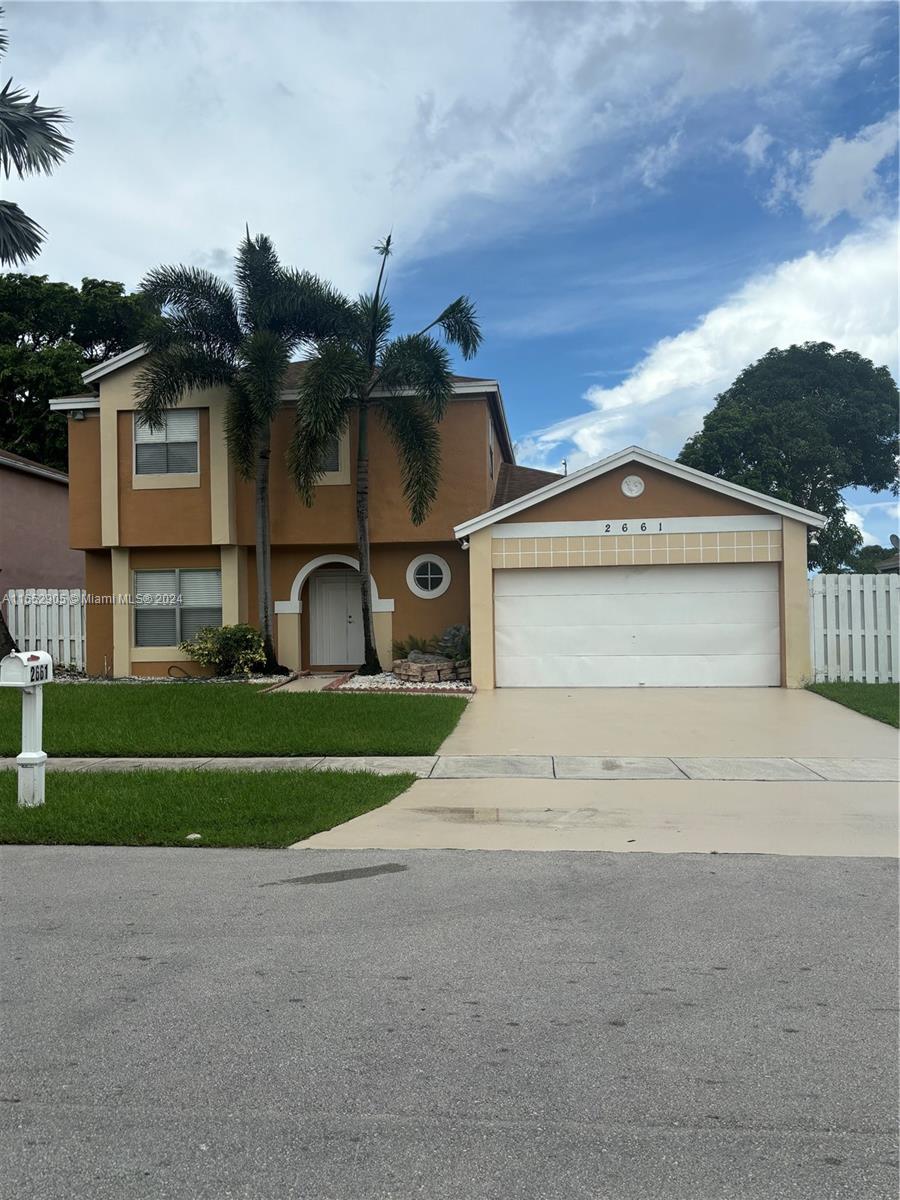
[[419, 656]]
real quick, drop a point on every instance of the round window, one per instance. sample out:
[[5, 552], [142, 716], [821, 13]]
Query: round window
[[428, 576]]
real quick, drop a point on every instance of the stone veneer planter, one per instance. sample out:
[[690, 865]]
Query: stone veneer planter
[[432, 672]]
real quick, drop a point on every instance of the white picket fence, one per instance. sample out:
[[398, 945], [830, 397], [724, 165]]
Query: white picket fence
[[48, 619], [854, 628]]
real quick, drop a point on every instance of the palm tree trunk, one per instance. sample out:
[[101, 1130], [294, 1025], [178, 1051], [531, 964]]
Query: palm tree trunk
[[371, 665], [264, 550]]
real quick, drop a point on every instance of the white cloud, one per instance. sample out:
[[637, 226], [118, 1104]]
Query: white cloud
[[845, 177], [855, 518], [325, 125], [655, 163], [847, 296], [755, 146]]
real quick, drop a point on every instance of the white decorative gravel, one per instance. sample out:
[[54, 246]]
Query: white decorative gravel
[[388, 682]]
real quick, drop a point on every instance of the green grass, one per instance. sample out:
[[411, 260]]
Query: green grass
[[160, 808], [878, 700], [227, 719]]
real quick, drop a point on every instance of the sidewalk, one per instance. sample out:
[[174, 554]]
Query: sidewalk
[[544, 767]]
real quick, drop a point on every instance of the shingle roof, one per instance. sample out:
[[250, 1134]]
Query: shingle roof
[[514, 482]]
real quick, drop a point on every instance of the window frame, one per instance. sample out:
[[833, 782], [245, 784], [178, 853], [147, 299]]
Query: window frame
[[414, 587], [176, 608], [149, 478]]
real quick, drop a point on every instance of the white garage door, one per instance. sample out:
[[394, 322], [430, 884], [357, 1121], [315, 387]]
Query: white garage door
[[674, 626]]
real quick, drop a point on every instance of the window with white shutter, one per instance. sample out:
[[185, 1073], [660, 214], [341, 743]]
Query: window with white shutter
[[172, 606], [171, 449]]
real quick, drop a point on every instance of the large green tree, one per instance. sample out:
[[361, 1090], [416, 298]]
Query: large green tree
[[802, 424], [49, 334], [31, 143], [406, 382], [241, 338]]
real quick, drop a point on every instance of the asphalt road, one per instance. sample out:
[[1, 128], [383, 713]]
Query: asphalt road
[[199, 1024]]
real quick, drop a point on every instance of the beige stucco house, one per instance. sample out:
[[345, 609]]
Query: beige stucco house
[[633, 571]]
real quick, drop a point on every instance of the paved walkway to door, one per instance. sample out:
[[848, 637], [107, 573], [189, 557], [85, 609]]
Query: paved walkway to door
[[668, 722]]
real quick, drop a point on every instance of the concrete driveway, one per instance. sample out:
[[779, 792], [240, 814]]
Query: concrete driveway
[[687, 770], [673, 722]]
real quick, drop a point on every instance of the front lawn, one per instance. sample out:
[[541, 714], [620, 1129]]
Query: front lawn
[[160, 808], [100, 720], [878, 700]]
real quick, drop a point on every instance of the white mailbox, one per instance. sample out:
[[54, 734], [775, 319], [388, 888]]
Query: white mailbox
[[29, 670], [25, 668]]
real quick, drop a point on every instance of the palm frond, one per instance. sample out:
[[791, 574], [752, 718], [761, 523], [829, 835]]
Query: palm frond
[[460, 326], [31, 140], [329, 386], [375, 318], [257, 272], [242, 427], [415, 435], [197, 307], [173, 372], [305, 308], [266, 357], [418, 363], [21, 237]]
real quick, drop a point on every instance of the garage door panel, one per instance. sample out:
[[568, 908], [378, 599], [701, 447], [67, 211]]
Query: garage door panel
[[750, 670], [681, 608], [590, 640], [700, 625], [613, 581]]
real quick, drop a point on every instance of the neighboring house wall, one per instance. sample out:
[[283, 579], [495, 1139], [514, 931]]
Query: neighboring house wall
[[34, 531]]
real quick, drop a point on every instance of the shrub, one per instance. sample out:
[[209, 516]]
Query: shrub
[[423, 645], [228, 649], [455, 643]]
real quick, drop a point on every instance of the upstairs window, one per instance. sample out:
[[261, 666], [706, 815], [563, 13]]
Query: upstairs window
[[332, 460], [171, 449], [172, 606]]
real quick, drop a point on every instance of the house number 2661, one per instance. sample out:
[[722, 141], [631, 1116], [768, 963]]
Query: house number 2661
[[627, 526]]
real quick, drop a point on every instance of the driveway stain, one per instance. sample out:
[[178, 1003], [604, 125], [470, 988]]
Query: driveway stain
[[341, 876]]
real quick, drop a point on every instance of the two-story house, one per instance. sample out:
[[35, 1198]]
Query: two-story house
[[635, 570]]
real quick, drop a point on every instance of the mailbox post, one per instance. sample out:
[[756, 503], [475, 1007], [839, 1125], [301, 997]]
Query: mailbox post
[[29, 670]]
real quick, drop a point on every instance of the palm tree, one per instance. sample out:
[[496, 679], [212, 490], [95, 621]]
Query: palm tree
[[407, 382], [31, 143], [241, 338]]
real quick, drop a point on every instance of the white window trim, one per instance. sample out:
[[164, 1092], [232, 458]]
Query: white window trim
[[411, 576], [342, 474], [177, 479]]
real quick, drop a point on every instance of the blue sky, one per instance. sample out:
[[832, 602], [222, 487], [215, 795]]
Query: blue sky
[[641, 199]]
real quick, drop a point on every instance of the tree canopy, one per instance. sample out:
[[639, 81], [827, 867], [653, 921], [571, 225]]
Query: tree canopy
[[802, 424], [49, 334]]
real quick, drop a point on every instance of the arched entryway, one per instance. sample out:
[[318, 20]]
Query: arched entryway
[[335, 616]]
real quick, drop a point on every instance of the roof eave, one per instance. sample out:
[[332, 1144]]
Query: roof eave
[[115, 363]]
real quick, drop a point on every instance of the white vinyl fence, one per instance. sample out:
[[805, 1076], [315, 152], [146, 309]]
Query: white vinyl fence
[[48, 619], [854, 628]]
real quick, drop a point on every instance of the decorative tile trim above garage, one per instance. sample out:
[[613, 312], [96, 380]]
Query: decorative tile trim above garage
[[658, 549]]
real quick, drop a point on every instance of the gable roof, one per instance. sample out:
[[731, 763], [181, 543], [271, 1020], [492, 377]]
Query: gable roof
[[15, 462], [646, 458], [514, 482]]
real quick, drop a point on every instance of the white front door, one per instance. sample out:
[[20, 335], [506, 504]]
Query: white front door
[[335, 619], [653, 626]]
